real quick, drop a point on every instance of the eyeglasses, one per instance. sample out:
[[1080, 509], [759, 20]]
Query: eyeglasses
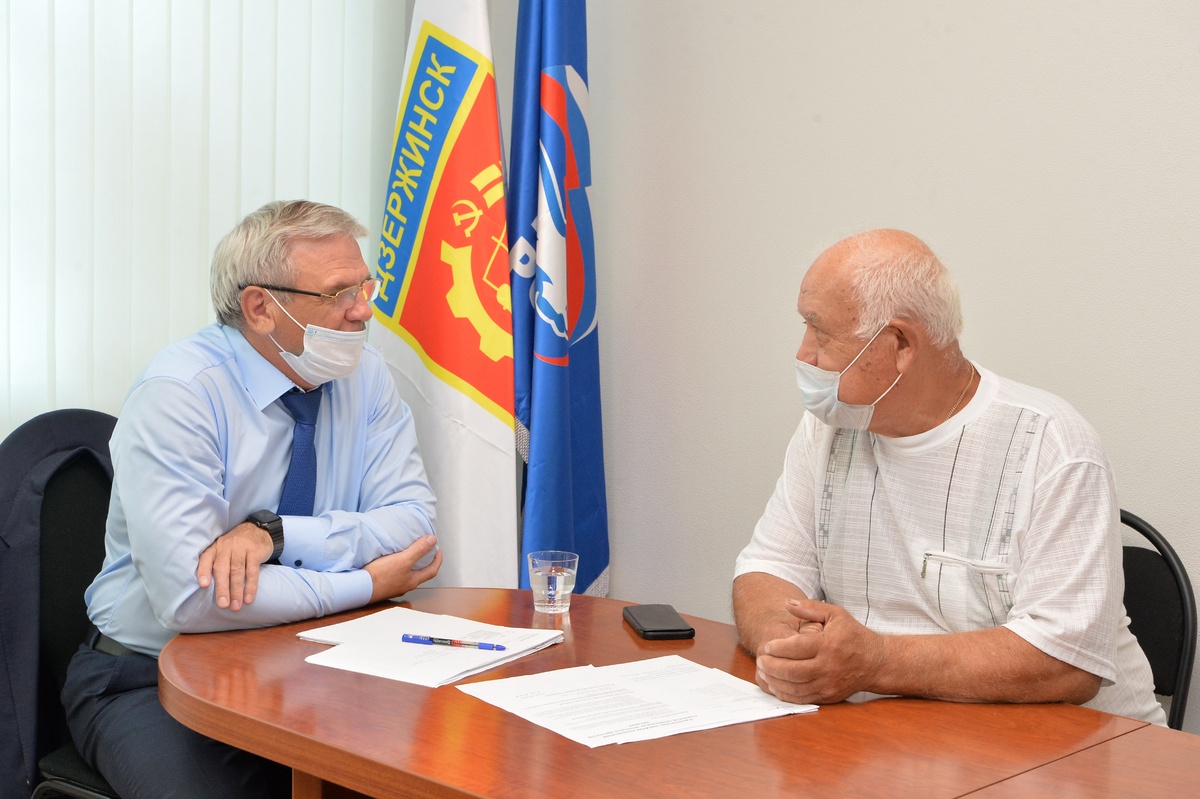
[[344, 300]]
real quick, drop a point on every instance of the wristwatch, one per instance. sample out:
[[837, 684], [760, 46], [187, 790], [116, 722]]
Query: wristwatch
[[273, 525]]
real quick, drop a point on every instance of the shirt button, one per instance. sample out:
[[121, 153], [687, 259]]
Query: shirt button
[[299, 562]]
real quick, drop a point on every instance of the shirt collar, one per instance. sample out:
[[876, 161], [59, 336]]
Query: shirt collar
[[952, 427], [262, 379]]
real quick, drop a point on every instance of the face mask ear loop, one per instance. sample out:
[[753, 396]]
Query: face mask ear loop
[[856, 357], [889, 388], [302, 327], [289, 316], [276, 343]]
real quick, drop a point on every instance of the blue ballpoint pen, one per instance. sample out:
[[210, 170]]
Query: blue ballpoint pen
[[429, 640]]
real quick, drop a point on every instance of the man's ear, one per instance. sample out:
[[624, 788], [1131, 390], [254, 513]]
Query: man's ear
[[256, 310], [907, 344]]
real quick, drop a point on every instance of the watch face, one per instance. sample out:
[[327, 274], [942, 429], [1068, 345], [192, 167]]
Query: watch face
[[264, 517], [273, 525]]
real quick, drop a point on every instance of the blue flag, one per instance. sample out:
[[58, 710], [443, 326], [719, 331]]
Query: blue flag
[[553, 259]]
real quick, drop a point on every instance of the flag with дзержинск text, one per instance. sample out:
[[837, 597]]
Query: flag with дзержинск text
[[443, 318]]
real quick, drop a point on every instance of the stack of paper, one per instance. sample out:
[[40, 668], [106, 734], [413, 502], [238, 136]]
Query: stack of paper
[[632, 701], [372, 645]]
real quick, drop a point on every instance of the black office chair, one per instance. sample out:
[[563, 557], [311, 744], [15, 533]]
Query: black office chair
[[1162, 614], [55, 481]]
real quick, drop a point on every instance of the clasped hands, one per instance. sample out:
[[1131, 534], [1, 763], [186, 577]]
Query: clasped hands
[[231, 565], [827, 658]]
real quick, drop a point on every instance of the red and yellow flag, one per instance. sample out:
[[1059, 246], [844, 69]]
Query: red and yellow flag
[[444, 314]]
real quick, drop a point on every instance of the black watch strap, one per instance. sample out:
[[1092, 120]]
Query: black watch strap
[[270, 522]]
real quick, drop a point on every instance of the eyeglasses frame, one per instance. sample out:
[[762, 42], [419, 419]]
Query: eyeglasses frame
[[334, 297]]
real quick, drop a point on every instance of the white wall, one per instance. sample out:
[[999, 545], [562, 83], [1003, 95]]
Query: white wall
[[1048, 151]]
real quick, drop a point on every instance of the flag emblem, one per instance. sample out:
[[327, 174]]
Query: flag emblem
[[443, 253], [563, 293]]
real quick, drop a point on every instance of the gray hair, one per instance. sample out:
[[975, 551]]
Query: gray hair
[[259, 249], [906, 283]]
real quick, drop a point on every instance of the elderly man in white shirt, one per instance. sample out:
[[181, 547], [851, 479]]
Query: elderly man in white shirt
[[938, 530]]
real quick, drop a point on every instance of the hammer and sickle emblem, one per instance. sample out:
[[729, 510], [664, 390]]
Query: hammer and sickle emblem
[[473, 215]]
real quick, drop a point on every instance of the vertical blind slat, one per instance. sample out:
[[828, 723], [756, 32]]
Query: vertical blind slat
[[389, 39], [31, 237], [224, 118], [150, 164], [324, 118], [6, 248], [74, 263], [187, 261], [356, 179], [293, 101], [112, 200], [259, 85]]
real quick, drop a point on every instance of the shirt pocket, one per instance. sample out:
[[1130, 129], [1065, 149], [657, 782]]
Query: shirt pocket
[[968, 593]]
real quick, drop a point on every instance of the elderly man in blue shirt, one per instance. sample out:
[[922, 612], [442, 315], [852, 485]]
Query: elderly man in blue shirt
[[221, 520]]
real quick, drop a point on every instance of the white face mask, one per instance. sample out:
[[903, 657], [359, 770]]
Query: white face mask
[[327, 355], [819, 393]]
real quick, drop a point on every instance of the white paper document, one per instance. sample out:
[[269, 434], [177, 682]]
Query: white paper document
[[632, 701], [372, 645]]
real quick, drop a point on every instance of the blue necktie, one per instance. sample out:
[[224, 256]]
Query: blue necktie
[[300, 487]]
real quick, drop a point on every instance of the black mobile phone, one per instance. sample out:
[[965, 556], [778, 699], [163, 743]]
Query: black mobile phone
[[657, 622]]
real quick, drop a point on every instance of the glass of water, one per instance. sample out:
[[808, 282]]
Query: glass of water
[[552, 578]]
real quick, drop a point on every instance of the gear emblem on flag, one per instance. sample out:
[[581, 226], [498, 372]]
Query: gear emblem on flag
[[463, 297]]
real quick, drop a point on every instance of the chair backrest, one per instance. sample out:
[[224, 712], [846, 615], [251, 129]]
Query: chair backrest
[[55, 481], [1162, 613], [74, 513]]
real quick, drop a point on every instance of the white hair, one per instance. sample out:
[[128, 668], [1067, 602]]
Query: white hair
[[909, 283], [259, 249]]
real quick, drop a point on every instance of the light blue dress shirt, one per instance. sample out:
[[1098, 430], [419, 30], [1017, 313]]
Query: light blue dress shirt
[[202, 442]]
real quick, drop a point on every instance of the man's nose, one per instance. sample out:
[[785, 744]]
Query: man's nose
[[807, 351], [361, 310]]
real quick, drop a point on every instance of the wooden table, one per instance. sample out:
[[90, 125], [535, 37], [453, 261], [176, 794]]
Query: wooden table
[[1151, 762], [385, 738]]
